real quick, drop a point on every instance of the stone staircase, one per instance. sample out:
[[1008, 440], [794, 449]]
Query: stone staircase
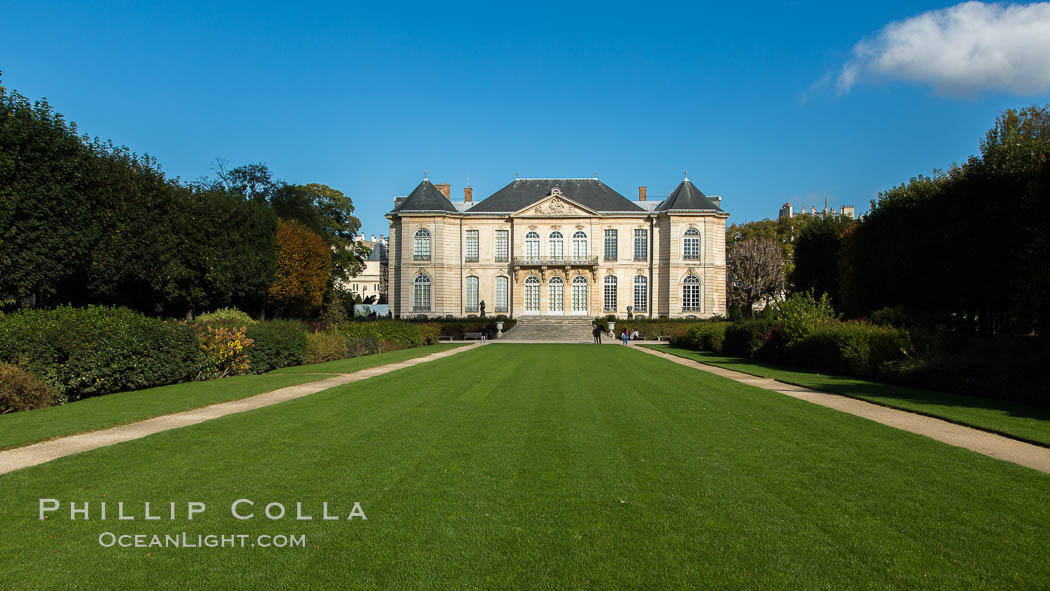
[[555, 329]]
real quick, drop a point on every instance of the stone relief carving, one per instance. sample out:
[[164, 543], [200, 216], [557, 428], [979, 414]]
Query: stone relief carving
[[554, 207]]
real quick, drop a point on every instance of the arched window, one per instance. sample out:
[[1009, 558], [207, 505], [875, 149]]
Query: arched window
[[421, 294], [501, 285], [555, 245], [532, 246], [579, 245], [691, 245], [610, 293], [532, 294], [579, 294], [691, 294], [472, 294], [641, 294], [555, 295], [421, 245]]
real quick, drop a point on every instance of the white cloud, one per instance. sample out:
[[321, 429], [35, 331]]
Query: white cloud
[[960, 50]]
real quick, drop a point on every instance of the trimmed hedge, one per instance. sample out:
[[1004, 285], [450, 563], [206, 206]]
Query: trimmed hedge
[[325, 346], [709, 336], [397, 332], [97, 350], [21, 390], [852, 348], [651, 329], [278, 343], [458, 328]]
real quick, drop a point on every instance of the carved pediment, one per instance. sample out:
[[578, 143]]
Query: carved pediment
[[555, 205]]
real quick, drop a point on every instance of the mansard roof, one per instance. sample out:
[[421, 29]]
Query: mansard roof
[[521, 193], [426, 197], [687, 197]]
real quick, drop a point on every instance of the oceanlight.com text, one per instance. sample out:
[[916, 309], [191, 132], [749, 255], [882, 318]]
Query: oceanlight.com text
[[187, 540]]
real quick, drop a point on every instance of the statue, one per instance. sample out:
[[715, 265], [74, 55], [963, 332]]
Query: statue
[[630, 314], [482, 308]]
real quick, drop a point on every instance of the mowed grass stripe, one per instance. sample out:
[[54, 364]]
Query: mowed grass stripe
[[505, 467], [100, 412]]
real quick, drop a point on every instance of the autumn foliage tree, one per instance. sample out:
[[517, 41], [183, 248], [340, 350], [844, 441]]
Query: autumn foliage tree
[[304, 263]]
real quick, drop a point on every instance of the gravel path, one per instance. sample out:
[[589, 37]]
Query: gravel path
[[983, 442]]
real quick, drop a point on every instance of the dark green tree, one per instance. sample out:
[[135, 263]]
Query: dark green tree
[[45, 203], [816, 267]]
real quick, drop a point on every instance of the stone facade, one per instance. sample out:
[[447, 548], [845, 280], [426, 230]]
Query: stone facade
[[557, 247]]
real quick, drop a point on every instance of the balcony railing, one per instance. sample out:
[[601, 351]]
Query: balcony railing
[[556, 261]]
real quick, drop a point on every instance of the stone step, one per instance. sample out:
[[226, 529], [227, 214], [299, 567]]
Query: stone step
[[551, 328]]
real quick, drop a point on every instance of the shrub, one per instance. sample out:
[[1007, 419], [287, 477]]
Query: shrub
[[429, 333], [401, 332], [458, 328], [651, 329], [278, 343], [708, 336], [746, 338], [223, 352], [366, 345], [325, 346], [801, 314], [21, 390], [231, 315], [98, 350], [853, 348]]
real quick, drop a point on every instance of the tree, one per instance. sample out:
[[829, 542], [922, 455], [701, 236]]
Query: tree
[[755, 269], [45, 200], [304, 264], [327, 212], [816, 266], [252, 181]]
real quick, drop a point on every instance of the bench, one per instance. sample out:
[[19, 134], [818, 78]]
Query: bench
[[445, 338], [664, 339], [472, 336]]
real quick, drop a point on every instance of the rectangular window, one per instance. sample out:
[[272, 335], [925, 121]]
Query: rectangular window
[[610, 294], [501, 294], [641, 245], [472, 294], [610, 245], [472, 246], [502, 246], [641, 294]]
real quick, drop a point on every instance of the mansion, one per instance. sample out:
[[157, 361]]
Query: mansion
[[557, 247]]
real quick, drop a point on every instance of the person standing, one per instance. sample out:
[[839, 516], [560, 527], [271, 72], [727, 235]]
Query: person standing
[[597, 333], [624, 337]]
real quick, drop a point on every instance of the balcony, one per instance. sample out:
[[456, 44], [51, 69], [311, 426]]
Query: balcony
[[568, 261]]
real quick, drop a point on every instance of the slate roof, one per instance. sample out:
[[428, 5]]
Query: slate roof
[[687, 197], [521, 193], [426, 197]]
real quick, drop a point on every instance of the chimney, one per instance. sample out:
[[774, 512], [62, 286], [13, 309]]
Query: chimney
[[445, 189], [641, 193], [468, 194]]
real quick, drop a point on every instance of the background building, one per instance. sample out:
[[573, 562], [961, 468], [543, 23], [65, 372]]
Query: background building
[[787, 211], [372, 280], [557, 247]]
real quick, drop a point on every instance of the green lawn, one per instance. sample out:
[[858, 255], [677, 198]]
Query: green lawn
[[541, 467], [368, 361], [23, 428], [1013, 419]]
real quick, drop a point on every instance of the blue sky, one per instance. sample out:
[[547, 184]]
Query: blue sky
[[749, 97]]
